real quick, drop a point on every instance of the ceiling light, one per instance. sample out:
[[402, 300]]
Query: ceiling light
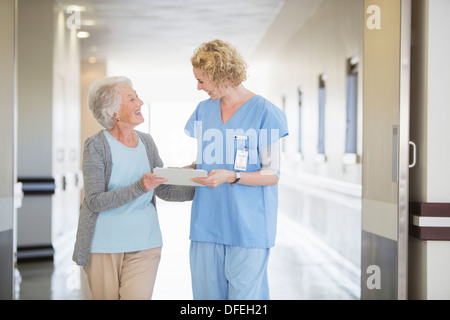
[[83, 34], [92, 60]]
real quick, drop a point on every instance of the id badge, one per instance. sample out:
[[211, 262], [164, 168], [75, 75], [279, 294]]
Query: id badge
[[241, 160]]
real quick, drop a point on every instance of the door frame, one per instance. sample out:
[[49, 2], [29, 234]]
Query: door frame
[[403, 194]]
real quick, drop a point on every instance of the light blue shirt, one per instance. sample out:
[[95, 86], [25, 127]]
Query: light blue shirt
[[243, 216], [133, 226]]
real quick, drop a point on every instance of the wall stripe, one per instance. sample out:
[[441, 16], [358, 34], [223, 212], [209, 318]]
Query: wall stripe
[[427, 209], [430, 221]]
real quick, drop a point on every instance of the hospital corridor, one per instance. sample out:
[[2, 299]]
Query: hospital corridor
[[341, 106]]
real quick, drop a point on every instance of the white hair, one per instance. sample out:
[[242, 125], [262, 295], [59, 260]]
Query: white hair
[[104, 99]]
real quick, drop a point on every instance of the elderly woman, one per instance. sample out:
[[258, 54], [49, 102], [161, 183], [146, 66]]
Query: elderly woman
[[119, 240], [230, 242]]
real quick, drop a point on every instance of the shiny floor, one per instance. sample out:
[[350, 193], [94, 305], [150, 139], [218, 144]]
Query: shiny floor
[[300, 267]]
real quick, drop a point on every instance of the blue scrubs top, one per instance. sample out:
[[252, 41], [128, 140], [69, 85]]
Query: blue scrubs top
[[133, 226], [243, 216]]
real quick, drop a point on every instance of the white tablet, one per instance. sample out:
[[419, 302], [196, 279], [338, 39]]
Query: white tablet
[[180, 176]]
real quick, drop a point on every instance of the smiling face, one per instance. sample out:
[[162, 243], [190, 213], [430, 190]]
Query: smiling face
[[205, 84], [130, 107]]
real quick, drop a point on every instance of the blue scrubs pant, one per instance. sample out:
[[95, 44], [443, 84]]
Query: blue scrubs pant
[[221, 272]]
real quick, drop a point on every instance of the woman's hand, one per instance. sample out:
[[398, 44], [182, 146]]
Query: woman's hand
[[216, 178], [149, 181]]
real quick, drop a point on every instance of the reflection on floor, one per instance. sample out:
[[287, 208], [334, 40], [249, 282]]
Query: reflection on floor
[[299, 268]]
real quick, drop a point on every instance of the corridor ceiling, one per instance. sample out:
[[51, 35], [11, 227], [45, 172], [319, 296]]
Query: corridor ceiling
[[169, 30]]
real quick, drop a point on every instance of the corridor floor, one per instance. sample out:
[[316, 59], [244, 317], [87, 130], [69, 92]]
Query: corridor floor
[[299, 268]]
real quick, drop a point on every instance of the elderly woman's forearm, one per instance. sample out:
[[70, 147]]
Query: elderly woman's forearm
[[103, 201]]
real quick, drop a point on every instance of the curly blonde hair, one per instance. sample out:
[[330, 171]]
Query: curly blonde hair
[[221, 63]]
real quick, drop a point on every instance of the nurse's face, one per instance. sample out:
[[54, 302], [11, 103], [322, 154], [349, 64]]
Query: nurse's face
[[203, 83]]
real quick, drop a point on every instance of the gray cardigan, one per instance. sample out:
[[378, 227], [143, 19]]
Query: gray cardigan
[[97, 166]]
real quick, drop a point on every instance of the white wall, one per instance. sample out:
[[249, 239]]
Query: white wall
[[429, 179], [66, 131], [438, 97], [438, 137]]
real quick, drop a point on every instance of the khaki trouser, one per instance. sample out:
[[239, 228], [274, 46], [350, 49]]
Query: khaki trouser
[[123, 276]]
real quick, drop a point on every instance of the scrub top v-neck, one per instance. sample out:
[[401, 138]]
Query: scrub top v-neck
[[236, 112], [238, 215]]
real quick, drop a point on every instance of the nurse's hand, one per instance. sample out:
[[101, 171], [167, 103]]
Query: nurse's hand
[[149, 181], [216, 178]]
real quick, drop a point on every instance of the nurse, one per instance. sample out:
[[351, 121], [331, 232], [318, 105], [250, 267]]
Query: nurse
[[234, 213]]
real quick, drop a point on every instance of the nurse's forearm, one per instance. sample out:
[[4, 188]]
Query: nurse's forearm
[[218, 176], [258, 178]]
